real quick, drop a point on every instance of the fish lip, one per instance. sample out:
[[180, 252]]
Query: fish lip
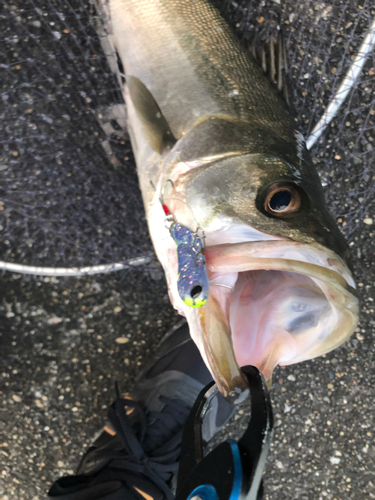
[[335, 275], [215, 255]]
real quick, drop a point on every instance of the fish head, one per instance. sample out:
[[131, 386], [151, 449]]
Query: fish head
[[281, 288]]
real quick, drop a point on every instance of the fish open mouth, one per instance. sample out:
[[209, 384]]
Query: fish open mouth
[[270, 303]]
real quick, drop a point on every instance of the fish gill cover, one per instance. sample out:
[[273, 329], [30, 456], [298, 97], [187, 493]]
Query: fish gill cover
[[68, 187]]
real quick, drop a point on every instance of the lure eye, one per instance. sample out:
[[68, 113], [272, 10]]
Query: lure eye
[[194, 297], [195, 291], [282, 199]]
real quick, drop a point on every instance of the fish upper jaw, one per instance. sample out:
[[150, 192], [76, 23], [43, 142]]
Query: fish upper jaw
[[270, 302]]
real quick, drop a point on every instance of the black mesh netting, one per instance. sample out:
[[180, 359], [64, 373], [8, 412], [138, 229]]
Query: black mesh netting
[[69, 192]]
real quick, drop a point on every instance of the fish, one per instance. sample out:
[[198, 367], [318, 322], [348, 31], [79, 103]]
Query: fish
[[211, 130]]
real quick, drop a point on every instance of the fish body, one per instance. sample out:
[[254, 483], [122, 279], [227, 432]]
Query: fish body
[[202, 114]]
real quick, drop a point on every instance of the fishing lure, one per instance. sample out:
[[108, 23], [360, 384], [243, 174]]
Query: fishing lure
[[192, 283]]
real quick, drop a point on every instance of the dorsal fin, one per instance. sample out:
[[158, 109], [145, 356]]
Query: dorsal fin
[[157, 130], [272, 57]]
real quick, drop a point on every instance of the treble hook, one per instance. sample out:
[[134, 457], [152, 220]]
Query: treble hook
[[162, 191]]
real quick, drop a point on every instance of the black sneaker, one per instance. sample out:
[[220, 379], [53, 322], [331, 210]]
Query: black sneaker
[[137, 453]]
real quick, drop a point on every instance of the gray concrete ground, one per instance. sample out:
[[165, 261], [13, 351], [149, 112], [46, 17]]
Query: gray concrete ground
[[65, 343]]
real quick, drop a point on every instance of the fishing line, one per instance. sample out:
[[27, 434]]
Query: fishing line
[[221, 284]]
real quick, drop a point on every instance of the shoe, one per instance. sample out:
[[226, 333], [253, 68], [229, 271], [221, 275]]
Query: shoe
[[136, 455]]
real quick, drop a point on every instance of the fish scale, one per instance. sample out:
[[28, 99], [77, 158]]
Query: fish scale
[[187, 56]]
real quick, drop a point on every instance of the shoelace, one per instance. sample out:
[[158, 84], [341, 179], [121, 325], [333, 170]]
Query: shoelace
[[159, 463]]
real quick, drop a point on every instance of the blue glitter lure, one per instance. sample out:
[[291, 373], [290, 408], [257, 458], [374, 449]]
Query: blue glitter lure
[[192, 284]]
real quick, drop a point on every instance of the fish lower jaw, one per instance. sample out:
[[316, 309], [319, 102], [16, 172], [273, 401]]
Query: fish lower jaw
[[265, 312]]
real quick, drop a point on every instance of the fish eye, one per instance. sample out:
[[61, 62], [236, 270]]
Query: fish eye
[[282, 199], [195, 291]]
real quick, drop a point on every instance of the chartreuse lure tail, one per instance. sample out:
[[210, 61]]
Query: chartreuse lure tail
[[192, 281]]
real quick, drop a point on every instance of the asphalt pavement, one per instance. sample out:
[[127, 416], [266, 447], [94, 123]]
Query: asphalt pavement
[[64, 342]]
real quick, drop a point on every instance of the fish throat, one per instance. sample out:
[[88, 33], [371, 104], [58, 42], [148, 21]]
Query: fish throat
[[271, 310]]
